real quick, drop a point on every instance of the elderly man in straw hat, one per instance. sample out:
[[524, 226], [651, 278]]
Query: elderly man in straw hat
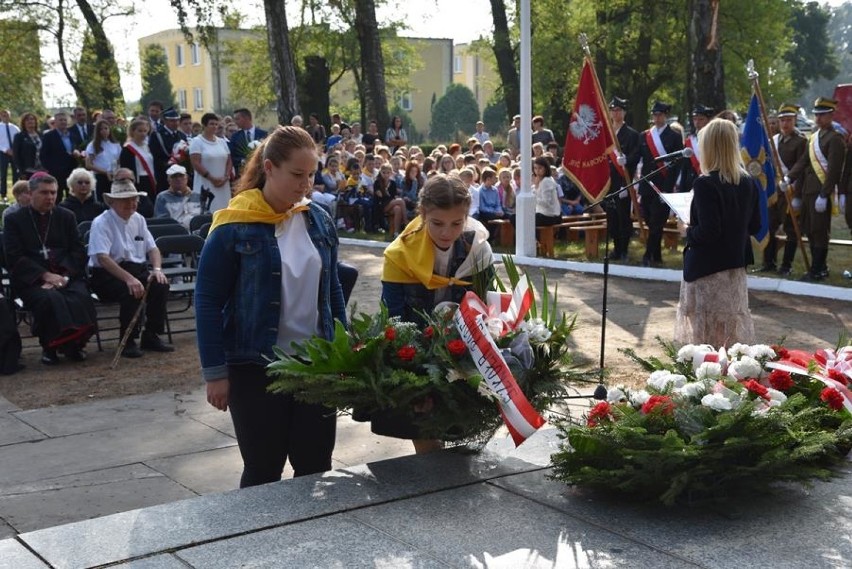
[[120, 249]]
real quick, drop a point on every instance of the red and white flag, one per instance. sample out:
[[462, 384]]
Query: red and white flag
[[590, 140]]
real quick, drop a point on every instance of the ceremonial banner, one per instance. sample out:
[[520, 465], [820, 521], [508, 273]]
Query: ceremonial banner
[[590, 140], [757, 157]]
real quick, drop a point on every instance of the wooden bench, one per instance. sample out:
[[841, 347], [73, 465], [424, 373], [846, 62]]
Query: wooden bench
[[837, 242], [671, 234], [594, 230], [505, 231], [593, 234]]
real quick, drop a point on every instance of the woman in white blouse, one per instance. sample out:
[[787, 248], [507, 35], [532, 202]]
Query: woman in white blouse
[[547, 208], [137, 157], [102, 157], [211, 161]]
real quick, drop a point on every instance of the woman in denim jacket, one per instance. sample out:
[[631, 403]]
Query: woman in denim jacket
[[267, 277]]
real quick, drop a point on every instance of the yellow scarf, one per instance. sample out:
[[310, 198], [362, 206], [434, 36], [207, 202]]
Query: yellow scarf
[[410, 259], [250, 207]]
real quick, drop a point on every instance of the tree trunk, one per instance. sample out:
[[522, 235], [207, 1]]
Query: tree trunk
[[110, 83], [375, 105], [82, 96], [505, 56], [708, 78], [314, 86], [281, 57]]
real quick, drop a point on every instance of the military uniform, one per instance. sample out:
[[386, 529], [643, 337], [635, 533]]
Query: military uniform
[[790, 150], [818, 181], [691, 168], [162, 142], [618, 213], [654, 210]]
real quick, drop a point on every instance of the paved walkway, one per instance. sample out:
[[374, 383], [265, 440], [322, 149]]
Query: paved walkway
[[175, 457]]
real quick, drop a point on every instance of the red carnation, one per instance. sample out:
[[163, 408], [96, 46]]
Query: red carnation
[[428, 332], [600, 412], [837, 376], [406, 353], [662, 402], [753, 386], [390, 333], [832, 397], [456, 347], [780, 351], [780, 380]]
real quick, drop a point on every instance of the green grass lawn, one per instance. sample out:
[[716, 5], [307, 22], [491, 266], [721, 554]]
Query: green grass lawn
[[839, 257]]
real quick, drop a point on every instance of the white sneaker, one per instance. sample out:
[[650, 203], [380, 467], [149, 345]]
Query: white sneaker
[[341, 224], [350, 230]]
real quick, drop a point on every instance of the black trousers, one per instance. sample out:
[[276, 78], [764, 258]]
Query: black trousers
[[347, 275], [110, 289], [656, 213], [272, 428], [61, 316], [5, 163], [620, 224]]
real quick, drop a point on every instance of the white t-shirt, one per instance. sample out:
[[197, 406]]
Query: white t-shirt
[[107, 159], [301, 267]]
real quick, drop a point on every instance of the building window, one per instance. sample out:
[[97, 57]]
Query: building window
[[405, 102], [195, 53], [182, 99], [457, 64], [179, 55], [198, 96]]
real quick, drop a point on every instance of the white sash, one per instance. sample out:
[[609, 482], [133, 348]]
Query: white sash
[[655, 136], [777, 140]]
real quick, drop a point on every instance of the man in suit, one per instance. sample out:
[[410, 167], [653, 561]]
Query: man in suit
[[57, 154], [791, 145], [241, 139], [690, 170], [819, 170], [7, 136], [155, 111], [161, 142], [618, 212], [81, 130], [657, 141]]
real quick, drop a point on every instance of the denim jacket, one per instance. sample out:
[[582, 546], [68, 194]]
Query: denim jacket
[[238, 292]]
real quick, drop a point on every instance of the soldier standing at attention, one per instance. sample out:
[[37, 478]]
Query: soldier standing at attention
[[792, 145], [819, 172]]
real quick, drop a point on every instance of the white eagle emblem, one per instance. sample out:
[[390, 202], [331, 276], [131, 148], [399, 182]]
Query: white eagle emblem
[[584, 124]]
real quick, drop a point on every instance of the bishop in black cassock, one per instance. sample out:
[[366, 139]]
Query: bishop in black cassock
[[47, 266]]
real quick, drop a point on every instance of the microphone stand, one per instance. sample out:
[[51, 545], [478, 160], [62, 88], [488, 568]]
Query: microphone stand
[[608, 201]]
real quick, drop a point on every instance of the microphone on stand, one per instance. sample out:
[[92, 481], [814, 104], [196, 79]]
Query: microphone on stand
[[684, 153]]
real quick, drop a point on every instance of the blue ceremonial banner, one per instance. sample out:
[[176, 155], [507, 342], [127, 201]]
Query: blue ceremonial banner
[[757, 157]]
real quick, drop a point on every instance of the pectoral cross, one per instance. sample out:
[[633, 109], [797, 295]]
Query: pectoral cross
[[45, 252]]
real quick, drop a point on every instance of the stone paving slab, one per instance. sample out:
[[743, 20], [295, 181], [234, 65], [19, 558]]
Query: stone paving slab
[[335, 541], [13, 555], [786, 529], [204, 472], [138, 533], [108, 413], [166, 561], [6, 530], [13, 430], [87, 496], [215, 419], [485, 526], [61, 456], [6, 405]]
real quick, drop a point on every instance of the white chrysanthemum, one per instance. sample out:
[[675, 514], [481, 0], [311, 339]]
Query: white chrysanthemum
[[536, 330], [776, 396], [662, 379], [717, 402], [495, 327], [693, 389], [686, 353], [762, 352], [639, 398], [738, 350], [615, 395], [708, 370], [744, 368], [453, 375]]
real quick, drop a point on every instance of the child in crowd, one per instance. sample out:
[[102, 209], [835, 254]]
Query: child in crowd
[[489, 200]]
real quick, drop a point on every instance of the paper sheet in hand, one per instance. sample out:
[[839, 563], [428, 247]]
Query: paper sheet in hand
[[680, 204]]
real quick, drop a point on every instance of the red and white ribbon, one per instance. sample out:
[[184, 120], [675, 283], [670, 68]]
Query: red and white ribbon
[[840, 361], [791, 367], [518, 414], [510, 308]]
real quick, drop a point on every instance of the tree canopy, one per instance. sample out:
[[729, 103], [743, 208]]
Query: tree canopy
[[456, 111]]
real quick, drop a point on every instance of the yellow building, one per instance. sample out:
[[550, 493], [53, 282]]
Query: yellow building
[[199, 77], [476, 72]]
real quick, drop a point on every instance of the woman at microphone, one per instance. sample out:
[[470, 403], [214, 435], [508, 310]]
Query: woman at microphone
[[713, 307]]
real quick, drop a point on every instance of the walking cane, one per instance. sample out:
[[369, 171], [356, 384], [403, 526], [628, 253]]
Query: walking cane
[[130, 327]]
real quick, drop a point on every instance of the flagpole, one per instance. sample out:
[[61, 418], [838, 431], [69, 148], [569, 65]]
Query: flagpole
[[776, 160], [584, 43]]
